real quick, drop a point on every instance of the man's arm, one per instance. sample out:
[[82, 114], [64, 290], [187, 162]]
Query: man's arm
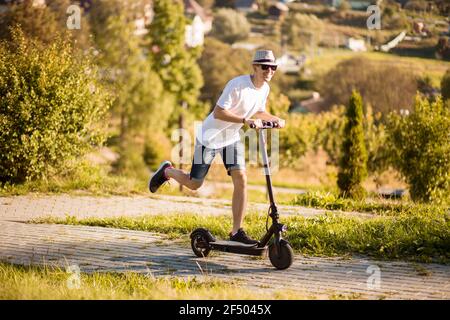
[[266, 116], [225, 115]]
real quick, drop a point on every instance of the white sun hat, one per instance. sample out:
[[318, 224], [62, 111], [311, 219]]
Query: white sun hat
[[264, 57]]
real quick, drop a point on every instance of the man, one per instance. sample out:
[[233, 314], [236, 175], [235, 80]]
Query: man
[[242, 102]]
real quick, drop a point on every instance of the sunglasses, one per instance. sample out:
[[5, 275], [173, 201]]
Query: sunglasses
[[266, 67]]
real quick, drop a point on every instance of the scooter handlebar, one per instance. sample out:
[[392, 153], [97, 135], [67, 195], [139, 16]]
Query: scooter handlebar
[[266, 125]]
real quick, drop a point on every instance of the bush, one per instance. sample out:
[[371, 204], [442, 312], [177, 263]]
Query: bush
[[344, 5], [445, 86], [44, 23], [443, 49], [303, 30], [379, 85], [230, 26], [420, 146], [50, 107], [353, 163]]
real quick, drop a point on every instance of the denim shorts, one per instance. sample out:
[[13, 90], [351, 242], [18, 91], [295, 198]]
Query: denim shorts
[[233, 157]]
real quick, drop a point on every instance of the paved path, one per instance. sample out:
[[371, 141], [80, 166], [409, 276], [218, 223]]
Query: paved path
[[24, 208], [104, 249]]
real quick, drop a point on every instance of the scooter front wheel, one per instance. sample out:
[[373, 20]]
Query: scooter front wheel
[[200, 244], [283, 259]]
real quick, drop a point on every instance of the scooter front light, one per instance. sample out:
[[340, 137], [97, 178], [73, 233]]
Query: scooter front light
[[283, 228]]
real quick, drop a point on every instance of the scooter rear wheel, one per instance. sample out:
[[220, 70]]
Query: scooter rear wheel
[[284, 259], [200, 245]]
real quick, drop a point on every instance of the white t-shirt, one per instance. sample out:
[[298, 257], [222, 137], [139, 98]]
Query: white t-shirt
[[243, 99]]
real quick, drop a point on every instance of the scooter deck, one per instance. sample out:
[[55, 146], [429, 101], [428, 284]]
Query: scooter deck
[[237, 247]]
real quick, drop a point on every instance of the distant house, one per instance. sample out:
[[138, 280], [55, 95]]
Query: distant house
[[201, 23], [278, 10], [195, 33], [357, 45], [290, 63], [192, 9], [144, 19], [246, 6]]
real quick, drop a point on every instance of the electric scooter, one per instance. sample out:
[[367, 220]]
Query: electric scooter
[[280, 252]]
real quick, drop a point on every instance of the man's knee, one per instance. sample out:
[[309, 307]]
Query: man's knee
[[239, 178]]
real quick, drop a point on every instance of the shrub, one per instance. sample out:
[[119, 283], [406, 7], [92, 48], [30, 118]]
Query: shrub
[[230, 26], [353, 163], [445, 86], [44, 23], [375, 83], [344, 5], [303, 30], [420, 146], [50, 107]]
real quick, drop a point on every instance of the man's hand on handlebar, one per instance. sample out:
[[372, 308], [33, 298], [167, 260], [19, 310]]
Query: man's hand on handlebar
[[254, 123], [280, 123], [262, 124]]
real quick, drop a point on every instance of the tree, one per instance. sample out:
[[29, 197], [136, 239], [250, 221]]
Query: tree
[[230, 26], [138, 90], [303, 31], [378, 84], [45, 23], [344, 5], [51, 105], [175, 64], [420, 148], [445, 86], [353, 163]]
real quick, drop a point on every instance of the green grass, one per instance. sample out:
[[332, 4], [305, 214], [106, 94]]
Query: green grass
[[421, 236], [42, 283], [331, 201], [86, 180]]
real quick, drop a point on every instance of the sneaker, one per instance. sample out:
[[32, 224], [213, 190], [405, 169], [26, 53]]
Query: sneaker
[[159, 177], [242, 237]]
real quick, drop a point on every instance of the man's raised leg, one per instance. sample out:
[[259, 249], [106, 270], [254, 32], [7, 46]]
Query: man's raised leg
[[183, 178]]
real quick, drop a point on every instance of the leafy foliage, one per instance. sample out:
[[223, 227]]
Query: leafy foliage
[[230, 26], [353, 162], [303, 30], [50, 108], [373, 81], [445, 86], [420, 145], [138, 90], [176, 65], [45, 23]]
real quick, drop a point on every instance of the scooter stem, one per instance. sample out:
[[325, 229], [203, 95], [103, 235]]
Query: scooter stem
[[265, 158]]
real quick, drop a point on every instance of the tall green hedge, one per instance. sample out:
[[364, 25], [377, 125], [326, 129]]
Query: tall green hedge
[[445, 86], [353, 161], [50, 107]]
